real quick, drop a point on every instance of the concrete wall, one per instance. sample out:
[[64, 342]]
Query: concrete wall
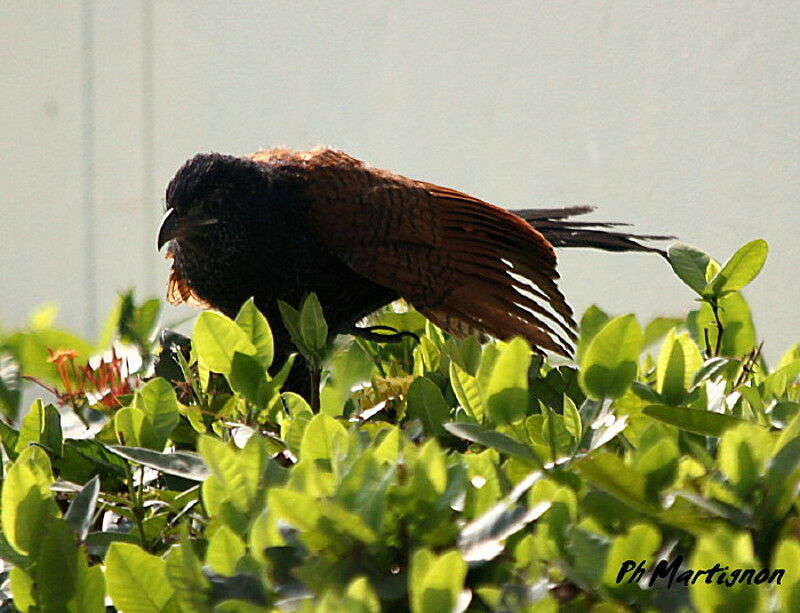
[[680, 117]]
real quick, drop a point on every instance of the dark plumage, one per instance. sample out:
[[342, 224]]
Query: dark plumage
[[279, 224]]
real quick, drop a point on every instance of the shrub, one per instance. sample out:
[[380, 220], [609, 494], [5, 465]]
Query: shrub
[[439, 474]]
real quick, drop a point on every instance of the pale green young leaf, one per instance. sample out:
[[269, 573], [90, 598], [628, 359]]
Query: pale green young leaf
[[323, 439], [160, 405], [216, 339], [256, 327], [610, 362], [225, 547], [26, 505], [507, 387], [468, 394], [742, 268], [137, 581]]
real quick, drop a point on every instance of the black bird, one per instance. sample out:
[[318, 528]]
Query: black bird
[[279, 224]]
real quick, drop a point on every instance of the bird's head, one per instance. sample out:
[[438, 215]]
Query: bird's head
[[208, 198]]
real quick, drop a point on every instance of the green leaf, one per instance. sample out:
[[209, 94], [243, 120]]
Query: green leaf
[[739, 336], [257, 329], [41, 425], [641, 542], [727, 548], [786, 555], [81, 510], [436, 581], [494, 440], [743, 453], [360, 597], [606, 471], [468, 394], [323, 439], [248, 378], [610, 362], [64, 580], [27, 506], [698, 421], [23, 589], [225, 548], [216, 339], [313, 328], [572, 418], [184, 464], [677, 362], [133, 428], [185, 572], [781, 483], [592, 321], [742, 268], [426, 403], [222, 461], [137, 581], [690, 264], [507, 387], [160, 406]]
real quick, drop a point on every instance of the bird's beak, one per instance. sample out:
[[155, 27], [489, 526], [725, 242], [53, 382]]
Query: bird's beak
[[169, 228]]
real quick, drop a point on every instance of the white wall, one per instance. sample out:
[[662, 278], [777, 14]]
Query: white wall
[[680, 117]]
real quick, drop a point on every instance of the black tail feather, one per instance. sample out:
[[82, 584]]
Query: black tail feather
[[562, 232]]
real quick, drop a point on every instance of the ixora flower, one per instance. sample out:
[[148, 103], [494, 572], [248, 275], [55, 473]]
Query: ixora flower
[[101, 384]]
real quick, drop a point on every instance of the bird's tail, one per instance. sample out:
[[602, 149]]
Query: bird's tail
[[561, 231]]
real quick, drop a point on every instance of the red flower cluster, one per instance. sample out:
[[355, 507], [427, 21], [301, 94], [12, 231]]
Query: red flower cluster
[[106, 382]]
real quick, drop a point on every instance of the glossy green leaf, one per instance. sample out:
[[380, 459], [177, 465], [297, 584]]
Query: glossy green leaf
[[426, 403], [572, 418], [739, 336], [690, 264], [610, 362], [609, 473], [742, 268], [506, 391], [787, 553], [217, 338], [465, 387], [781, 483], [226, 468], [160, 406], [257, 329], [698, 421], [678, 361], [323, 439], [592, 321], [41, 425], [64, 580], [225, 548], [133, 428], [313, 328], [137, 581], [743, 453], [27, 506], [436, 581], [727, 548], [495, 440]]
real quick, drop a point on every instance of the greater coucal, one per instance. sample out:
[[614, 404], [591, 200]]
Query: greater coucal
[[278, 224]]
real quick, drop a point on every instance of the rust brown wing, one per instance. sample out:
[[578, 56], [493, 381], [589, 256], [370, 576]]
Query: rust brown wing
[[467, 265]]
